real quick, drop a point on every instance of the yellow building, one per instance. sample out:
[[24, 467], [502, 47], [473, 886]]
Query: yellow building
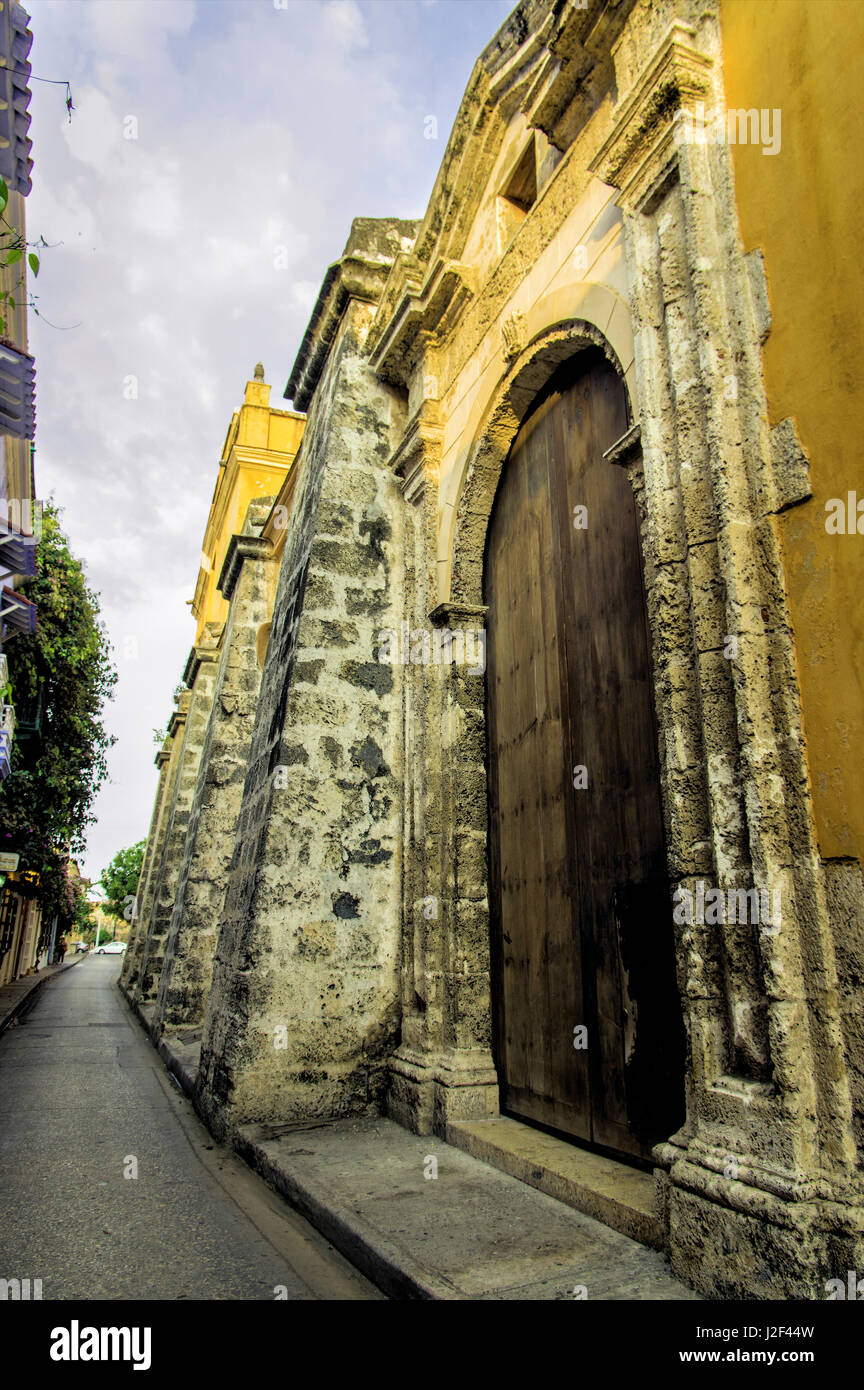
[[782, 56], [258, 452]]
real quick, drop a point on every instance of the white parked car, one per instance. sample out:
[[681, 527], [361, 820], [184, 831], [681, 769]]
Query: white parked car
[[111, 948]]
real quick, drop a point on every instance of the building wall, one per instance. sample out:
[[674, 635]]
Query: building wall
[[259, 449], [313, 885], [185, 981], [803, 208]]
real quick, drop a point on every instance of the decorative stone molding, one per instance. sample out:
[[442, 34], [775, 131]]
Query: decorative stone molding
[[416, 460], [361, 273], [241, 548], [761, 304], [455, 614], [556, 75], [790, 468], [513, 334], [204, 652], [427, 308], [637, 157], [626, 450]]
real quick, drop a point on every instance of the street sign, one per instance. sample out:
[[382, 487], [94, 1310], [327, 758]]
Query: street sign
[[9, 863]]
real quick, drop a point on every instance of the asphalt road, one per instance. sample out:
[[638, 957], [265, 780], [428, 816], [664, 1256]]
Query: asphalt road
[[82, 1094]]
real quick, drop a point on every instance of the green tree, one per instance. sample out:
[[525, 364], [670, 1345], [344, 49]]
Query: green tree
[[82, 919], [120, 881], [61, 678]]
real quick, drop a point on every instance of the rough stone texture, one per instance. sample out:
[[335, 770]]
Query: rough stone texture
[[200, 676], [185, 979], [352, 966], [304, 1005], [167, 759]]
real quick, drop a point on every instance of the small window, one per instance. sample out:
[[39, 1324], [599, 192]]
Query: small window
[[518, 196]]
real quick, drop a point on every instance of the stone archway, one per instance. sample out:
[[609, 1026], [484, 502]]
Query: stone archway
[[445, 1069], [527, 376]]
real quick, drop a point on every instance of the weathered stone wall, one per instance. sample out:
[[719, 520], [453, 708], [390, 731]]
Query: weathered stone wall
[[304, 1006], [168, 760], [200, 677], [761, 1190], [185, 980]]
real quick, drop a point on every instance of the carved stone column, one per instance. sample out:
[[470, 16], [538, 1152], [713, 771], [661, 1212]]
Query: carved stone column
[[443, 1068], [766, 1159]]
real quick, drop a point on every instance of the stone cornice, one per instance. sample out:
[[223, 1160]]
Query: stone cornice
[[417, 458], [360, 273], [197, 656], [626, 449], [641, 152], [574, 68], [241, 548], [177, 720], [551, 59], [417, 310], [458, 615]]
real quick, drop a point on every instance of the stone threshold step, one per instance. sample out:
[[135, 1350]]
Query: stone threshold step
[[614, 1193]]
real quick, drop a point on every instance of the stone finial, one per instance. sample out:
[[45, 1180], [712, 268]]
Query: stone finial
[[259, 371]]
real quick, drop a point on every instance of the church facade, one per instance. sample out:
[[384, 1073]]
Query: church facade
[[515, 789]]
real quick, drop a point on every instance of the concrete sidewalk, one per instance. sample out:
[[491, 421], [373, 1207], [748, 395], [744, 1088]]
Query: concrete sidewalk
[[16, 995], [457, 1228]]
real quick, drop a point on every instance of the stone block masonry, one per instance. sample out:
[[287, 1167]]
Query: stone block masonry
[[185, 980], [200, 676], [303, 1009]]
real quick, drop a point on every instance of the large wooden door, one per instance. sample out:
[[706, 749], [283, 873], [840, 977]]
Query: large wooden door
[[581, 914]]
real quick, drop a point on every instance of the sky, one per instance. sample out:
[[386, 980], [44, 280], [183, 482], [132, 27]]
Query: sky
[[215, 157]]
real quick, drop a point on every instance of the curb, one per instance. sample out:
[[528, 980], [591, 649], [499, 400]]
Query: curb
[[394, 1272], [388, 1268], [173, 1064]]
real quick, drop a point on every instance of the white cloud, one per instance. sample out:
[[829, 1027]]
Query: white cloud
[[343, 24], [259, 130]]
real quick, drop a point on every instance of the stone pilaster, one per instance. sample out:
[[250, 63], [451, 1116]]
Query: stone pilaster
[[304, 1006], [185, 980], [762, 1196], [200, 675], [167, 760], [443, 1068]]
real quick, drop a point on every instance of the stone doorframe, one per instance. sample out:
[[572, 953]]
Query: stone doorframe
[[444, 1070]]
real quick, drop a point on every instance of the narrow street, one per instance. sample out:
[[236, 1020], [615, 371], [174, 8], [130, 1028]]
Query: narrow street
[[83, 1096]]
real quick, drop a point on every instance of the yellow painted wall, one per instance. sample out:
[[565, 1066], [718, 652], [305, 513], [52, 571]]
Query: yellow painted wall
[[259, 450], [804, 207]]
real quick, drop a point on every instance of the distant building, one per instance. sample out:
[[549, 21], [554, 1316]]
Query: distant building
[[24, 938]]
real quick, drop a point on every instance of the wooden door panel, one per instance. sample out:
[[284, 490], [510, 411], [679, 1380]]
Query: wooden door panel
[[538, 970], [576, 875]]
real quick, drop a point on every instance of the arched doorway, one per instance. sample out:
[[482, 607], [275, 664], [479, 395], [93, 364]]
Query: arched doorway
[[589, 1039]]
